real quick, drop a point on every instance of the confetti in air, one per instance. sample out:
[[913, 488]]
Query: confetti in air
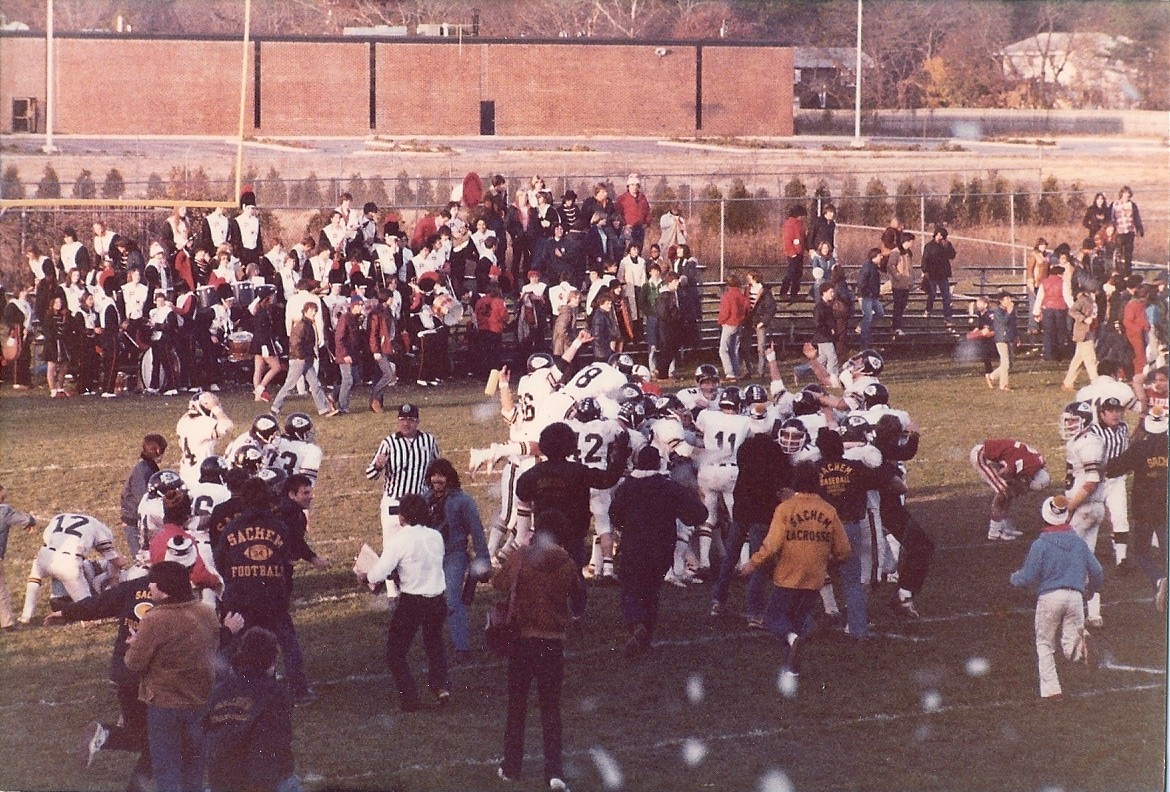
[[694, 751], [923, 732], [978, 667], [607, 768], [931, 701], [695, 688], [776, 780]]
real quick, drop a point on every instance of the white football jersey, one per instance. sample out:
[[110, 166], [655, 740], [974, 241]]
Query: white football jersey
[[596, 380], [296, 456], [1105, 387], [530, 391], [874, 414], [1085, 460], [205, 496], [79, 534], [594, 439], [198, 435], [693, 398], [723, 434], [765, 422], [552, 408], [853, 389]]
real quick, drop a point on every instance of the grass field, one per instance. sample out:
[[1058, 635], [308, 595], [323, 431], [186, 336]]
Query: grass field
[[947, 702]]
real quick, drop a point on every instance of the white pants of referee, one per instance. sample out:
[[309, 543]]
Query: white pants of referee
[[1117, 507], [388, 513]]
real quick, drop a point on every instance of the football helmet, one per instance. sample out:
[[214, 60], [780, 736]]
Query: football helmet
[[586, 410], [249, 458], [622, 362], [162, 482], [706, 372], [755, 394], [264, 428], [874, 394], [792, 437], [212, 470], [632, 413], [274, 477], [539, 360], [806, 403], [629, 392], [202, 403], [298, 426], [857, 430], [1075, 418], [730, 399], [641, 374], [668, 406], [868, 362]]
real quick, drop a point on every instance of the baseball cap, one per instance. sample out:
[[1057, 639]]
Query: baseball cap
[[356, 299], [1112, 403], [1055, 510], [408, 411]]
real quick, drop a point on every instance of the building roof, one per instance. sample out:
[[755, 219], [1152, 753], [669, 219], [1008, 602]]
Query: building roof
[[1099, 44]]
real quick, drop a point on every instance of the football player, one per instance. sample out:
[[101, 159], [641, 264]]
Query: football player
[[263, 432], [595, 435], [761, 413], [1010, 468], [294, 451], [199, 431], [723, 433], [1084, 453], [69, 539], [705, 394], [676, 447], [596, 380], [210, 491], [150, 508]]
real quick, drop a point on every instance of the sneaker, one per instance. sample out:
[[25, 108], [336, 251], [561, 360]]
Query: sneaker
[[676, 580], [422, 383], [108, 395], [558, 785], [1096, 622], [20, 387], [899, 333], [215, 388], [171, 392], [332, 411], [95, 737], [907, 608], [443, 697], [716, 608], [504, 776]]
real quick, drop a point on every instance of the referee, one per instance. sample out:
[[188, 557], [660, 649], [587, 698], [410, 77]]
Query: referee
[[404, 458]]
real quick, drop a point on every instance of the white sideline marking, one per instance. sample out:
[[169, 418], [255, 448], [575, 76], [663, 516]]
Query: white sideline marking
[[877, 717]]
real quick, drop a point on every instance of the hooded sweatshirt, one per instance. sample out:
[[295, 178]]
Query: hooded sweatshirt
[[1059, 559]]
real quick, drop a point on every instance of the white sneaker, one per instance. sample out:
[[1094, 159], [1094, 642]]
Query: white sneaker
[[558, 785], [171, 392], [1096, 622], [95, 737], [215, 388], [676, 580]]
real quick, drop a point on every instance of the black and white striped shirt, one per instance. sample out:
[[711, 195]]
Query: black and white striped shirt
[[407, 461], [1116, 440]]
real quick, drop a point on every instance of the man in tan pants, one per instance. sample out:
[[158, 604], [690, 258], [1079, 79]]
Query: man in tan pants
[[1083, 313], [9, 518]]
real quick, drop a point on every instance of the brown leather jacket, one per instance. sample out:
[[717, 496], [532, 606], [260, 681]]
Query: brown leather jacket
[[173, 652], [302, 341]]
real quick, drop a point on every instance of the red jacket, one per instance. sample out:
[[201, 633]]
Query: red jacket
[[794, 242], [733, 307], [201, 576], [347, 337], [491, 314], [381, 329], [634, 211]]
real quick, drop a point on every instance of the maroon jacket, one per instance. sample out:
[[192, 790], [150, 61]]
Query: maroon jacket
[[381, 329], [347, 338]]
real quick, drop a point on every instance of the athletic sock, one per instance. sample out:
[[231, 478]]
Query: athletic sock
[[705, 545], [829, 600], [1120, 545]]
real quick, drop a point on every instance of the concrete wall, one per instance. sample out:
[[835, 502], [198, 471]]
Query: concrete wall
[[974, 122], [108, 85]]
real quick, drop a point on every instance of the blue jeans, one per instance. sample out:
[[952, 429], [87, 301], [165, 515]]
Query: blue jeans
[[729, 349], [639, 595], [346, 384], [176, 748], [653, 341], [871, 308], [790, 611], [753, 534], [297, 369], [281, 625], [943, 287], [454, 570], [854, 591], [1055, 328]]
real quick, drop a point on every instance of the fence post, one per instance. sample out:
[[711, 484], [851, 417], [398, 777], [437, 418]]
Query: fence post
[[921, 223], [1012, 238], [24, 232], [722, 235]]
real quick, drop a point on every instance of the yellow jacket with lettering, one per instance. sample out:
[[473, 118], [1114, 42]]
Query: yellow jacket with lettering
[[805, 535]]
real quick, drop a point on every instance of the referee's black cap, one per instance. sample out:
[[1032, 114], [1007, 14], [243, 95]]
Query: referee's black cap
[[408, 411]]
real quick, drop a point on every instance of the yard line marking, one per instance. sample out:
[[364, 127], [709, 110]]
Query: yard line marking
[[877, 717]]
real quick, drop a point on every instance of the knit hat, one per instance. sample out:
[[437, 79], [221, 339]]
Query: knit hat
[[181, 549], [1055, 510], [647, 461], [172, 579], [247, 198]]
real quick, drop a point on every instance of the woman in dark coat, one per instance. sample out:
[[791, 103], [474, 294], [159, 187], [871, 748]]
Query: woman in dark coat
[[55, 326]]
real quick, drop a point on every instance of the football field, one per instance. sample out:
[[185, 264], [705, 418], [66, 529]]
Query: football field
[[948, 701]]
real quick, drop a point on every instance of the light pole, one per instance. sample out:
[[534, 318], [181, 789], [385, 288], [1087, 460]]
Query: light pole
[[857, 142], [50, 80], [243, 97]]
